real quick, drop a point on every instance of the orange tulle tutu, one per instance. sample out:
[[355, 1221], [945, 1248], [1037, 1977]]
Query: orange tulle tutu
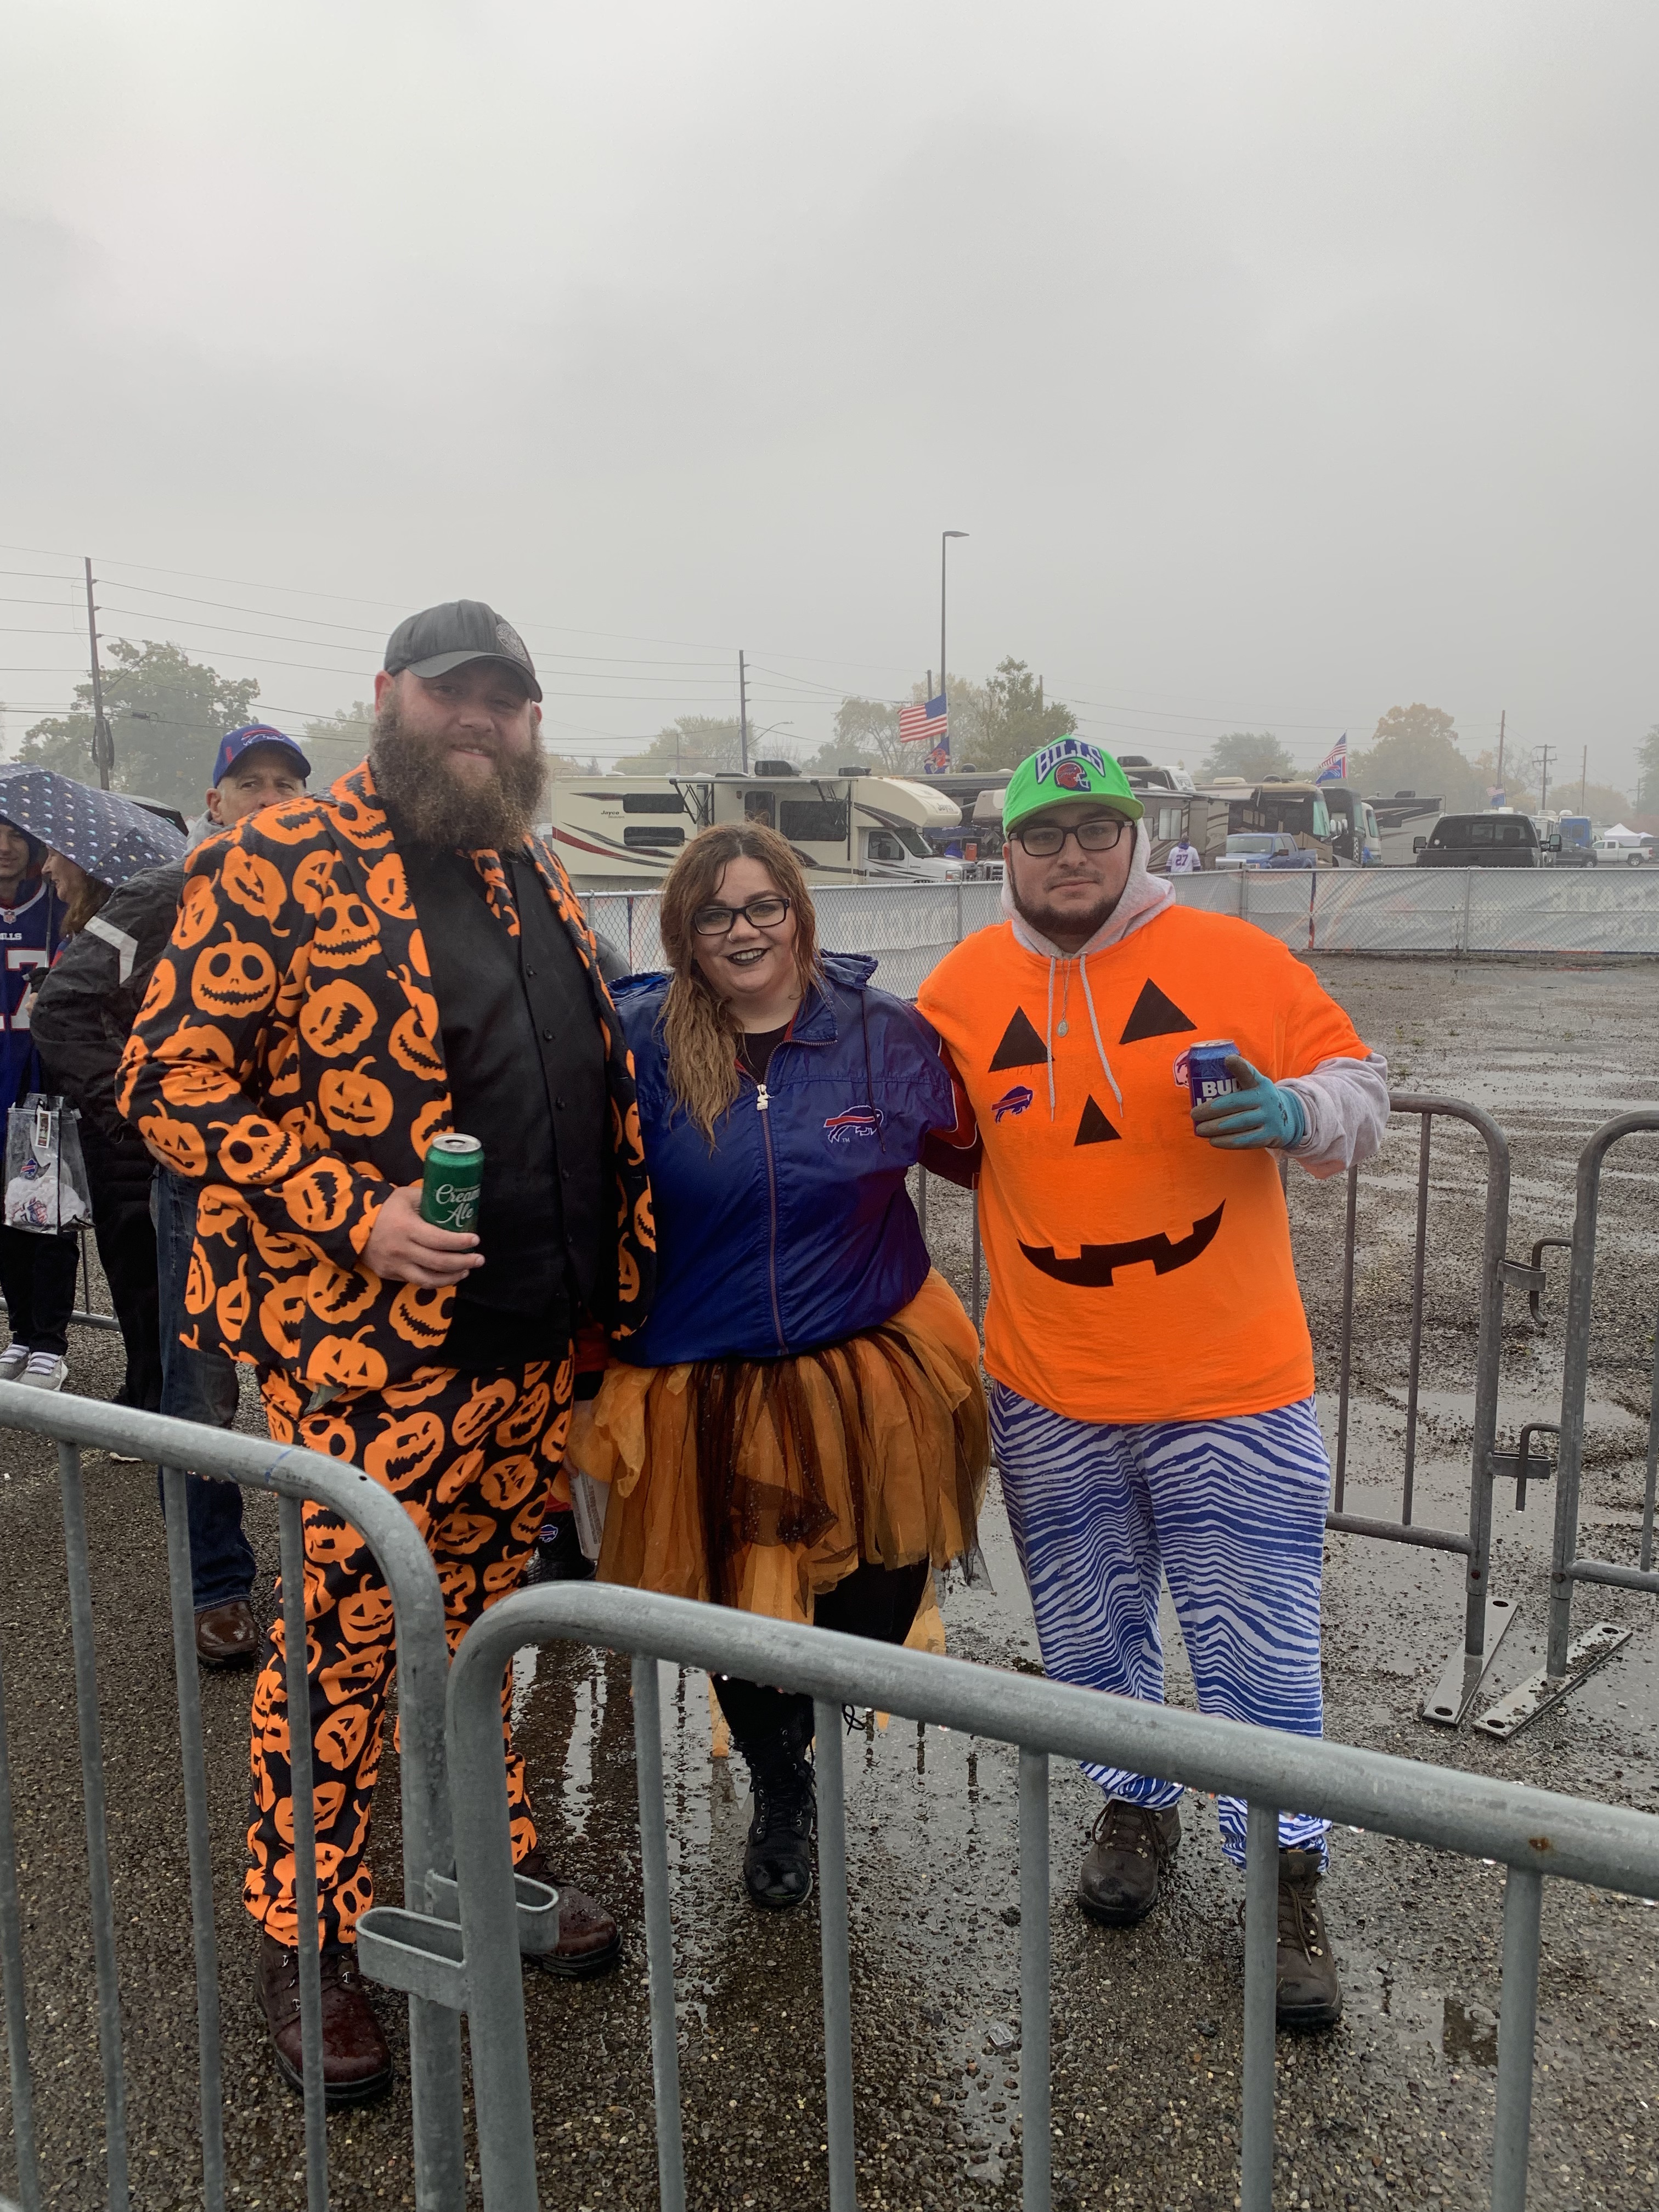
[[762, 1483]]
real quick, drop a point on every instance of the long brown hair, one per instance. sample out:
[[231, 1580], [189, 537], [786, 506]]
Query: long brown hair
[[698, 1028], [90, 894]]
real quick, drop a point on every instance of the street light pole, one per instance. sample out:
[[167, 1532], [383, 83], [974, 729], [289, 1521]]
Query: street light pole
[[943, 549]]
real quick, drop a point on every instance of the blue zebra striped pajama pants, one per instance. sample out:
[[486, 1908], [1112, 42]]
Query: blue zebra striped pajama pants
[[1232, 1510]]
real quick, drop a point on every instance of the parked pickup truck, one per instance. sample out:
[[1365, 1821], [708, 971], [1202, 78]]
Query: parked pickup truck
[[1480, 841]]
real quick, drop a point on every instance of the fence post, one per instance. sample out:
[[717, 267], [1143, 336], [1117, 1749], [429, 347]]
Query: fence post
[[1517, 2029], [198, 1838], [1260, 1993], [1575, 1376], [92, 1789], [11, 1966], [1036, 2143]]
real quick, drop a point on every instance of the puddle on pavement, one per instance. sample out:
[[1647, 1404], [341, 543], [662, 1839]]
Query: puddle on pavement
[[1415, 2015]]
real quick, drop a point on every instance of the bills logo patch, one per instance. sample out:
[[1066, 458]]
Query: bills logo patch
[[857, 1125], [1072, 775], [1012, 1102], [1046, 761]]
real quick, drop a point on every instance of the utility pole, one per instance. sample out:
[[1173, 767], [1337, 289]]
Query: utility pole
[[1503, 716], [743, 715], [1583, 773], [103, 745], [1544, 794]]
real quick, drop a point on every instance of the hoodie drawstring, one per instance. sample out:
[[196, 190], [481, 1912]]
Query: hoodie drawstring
[[1094, 1025]]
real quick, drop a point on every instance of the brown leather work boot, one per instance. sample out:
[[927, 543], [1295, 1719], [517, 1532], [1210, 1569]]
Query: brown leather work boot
[[356, 2064], [227, 1634], [1307, 1992], [1131, 1849], [590, 1942]]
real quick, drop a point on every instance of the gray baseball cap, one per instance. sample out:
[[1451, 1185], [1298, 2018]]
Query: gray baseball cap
[[439, 638]]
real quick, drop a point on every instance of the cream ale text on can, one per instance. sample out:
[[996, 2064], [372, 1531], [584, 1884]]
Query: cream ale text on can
[[451, 1183], [1206, 1070]]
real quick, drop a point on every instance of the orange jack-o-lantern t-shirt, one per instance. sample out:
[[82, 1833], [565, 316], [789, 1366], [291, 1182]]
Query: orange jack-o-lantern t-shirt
[[1137, 1273]]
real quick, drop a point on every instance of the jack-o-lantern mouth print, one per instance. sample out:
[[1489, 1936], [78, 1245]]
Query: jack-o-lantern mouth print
[[1096, 1265]]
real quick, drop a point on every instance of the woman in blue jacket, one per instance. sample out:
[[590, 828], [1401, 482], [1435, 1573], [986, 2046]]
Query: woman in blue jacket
[[798, 1429]]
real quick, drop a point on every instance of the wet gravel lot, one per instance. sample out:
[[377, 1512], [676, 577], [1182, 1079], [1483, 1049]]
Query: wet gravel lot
[[1394, 2106]]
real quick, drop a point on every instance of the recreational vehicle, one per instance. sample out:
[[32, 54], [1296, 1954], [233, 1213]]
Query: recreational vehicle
[[622, 832]]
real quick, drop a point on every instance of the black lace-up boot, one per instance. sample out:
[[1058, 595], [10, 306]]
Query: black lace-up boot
[[1309, 1994], [777, 1860], [1131, 1849]]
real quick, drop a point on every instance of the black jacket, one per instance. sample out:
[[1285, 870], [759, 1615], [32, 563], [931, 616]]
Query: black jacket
[[89, 1000]]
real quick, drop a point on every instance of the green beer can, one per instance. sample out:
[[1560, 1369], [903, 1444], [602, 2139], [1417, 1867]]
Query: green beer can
[[451, 1181]]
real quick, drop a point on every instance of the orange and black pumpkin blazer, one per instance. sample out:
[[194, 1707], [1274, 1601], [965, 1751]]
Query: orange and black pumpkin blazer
[[288, 1057]]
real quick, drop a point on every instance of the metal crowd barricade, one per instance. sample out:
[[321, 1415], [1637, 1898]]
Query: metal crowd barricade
[[1570, 1660], [1486, 1617], [294, 1475], [1533, 1831]]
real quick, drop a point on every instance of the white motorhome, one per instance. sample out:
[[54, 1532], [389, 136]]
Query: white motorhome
[[622, 832]]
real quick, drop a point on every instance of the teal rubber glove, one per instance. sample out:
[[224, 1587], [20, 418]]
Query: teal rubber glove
[[1258, 1113]]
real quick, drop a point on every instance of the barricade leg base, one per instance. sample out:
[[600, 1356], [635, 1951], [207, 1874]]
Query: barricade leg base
[[1453, 1695], [1591, 1648]]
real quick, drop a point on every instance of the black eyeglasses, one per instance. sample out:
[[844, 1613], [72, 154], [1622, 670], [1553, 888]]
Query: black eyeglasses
[[765, 913], [1096, 833]]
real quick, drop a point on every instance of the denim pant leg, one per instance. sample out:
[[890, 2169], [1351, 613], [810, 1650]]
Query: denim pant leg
[[198, 1386]]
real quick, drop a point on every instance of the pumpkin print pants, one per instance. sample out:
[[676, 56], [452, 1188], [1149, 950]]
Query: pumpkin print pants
[[471, 1457]]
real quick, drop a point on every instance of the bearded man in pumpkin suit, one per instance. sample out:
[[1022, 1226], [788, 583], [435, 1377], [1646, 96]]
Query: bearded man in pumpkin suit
[[351, 975], [1152, 1401]]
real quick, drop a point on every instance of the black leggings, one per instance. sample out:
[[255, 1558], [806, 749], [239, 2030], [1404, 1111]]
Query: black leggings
[[37, 1279], [879, 1602]]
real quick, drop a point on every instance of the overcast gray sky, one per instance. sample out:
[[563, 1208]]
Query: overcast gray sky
[[1285, 362]]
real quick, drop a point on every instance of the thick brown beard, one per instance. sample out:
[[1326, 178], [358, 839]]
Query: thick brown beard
[[1047, 920], [434, 807]]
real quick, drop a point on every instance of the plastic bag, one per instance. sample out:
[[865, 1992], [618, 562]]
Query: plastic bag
[[46, 1187]]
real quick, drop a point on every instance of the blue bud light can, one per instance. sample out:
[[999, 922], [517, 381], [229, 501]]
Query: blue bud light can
[[1206, 1070]]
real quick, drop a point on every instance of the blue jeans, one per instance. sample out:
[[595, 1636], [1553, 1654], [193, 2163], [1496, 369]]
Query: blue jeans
[[198, 1386]]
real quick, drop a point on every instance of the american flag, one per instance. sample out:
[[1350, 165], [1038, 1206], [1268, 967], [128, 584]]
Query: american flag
[[923, 725]]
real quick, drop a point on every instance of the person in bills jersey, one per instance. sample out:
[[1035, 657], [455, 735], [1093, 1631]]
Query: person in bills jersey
[[37, 1272], [1152, 1389]]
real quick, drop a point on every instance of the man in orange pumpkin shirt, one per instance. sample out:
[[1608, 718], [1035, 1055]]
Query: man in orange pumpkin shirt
[[1153, 1397]]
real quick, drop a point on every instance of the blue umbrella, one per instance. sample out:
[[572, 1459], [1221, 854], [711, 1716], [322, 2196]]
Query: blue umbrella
[[111, 837]]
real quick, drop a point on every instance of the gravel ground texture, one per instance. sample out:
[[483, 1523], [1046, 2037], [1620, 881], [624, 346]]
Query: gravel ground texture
[[1394, 2106]]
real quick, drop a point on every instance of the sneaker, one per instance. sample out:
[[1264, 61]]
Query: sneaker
[[12, 1361], [1309, 1994], [1131, 1849], [44, 1370]]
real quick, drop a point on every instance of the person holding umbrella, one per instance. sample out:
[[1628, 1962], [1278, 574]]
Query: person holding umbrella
[[94, 841]]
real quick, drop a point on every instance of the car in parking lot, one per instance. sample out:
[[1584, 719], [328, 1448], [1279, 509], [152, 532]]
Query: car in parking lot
[[1480, 841], [1265, 848]]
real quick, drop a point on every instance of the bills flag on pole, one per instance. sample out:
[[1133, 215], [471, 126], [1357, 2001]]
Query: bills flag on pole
[[924, 725], [1333, 768]]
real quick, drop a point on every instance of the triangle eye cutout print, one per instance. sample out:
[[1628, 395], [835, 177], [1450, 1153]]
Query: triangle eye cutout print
[[1021, 1046], [1094, 1129], [1153, 1015]]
